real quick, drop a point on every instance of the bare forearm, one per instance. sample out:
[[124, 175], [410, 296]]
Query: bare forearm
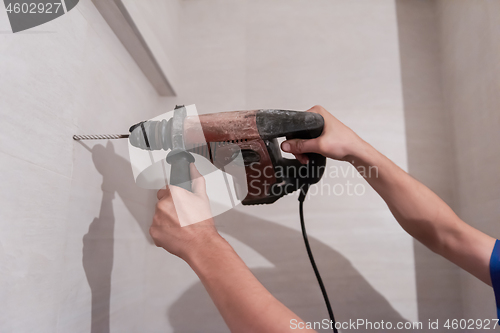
[[425, 216], [413, 204], [418, 210], [242, 300]]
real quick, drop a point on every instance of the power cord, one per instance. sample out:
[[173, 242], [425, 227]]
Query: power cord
[[302, 196]]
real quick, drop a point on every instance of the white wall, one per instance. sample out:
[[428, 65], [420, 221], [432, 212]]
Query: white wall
[[343, 55], [74, 226]]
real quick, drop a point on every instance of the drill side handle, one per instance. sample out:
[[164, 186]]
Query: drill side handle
[[180, 174]]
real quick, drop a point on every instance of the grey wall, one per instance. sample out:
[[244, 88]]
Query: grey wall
[[450, 75], [430, 147], [470, 40]]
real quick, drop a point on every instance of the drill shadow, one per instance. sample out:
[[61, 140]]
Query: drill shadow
[[98, 243], [292, 280]]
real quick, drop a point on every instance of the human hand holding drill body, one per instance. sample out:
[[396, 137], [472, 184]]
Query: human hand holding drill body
[[337, 140], [419, 211]]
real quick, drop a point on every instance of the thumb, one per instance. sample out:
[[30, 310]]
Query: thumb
[[300, 146], [197, 180], [163, 193]]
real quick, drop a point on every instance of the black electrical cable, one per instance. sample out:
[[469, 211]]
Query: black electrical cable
[[302, 196]]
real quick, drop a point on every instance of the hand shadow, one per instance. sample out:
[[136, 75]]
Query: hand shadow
[[292, 280], [98, 243]]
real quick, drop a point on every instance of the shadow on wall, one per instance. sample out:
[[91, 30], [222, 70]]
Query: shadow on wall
[[292, 280], [99, 241]]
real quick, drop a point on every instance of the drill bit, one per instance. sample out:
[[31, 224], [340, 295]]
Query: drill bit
[[100, 137]]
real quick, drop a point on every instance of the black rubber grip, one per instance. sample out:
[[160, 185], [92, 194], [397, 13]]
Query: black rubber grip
[[179, 171]]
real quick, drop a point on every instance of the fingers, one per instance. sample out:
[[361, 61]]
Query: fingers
[[300, 146], [302, 158], [163, 193], [197, 180], [317, 109]]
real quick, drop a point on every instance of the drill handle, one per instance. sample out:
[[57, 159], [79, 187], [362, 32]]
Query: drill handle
[[179, 171]]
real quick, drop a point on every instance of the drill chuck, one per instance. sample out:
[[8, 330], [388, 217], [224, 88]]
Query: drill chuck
[[152, 135]]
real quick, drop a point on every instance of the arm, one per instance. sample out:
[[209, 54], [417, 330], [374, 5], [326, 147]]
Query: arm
[[242, 300], [418, 210]]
